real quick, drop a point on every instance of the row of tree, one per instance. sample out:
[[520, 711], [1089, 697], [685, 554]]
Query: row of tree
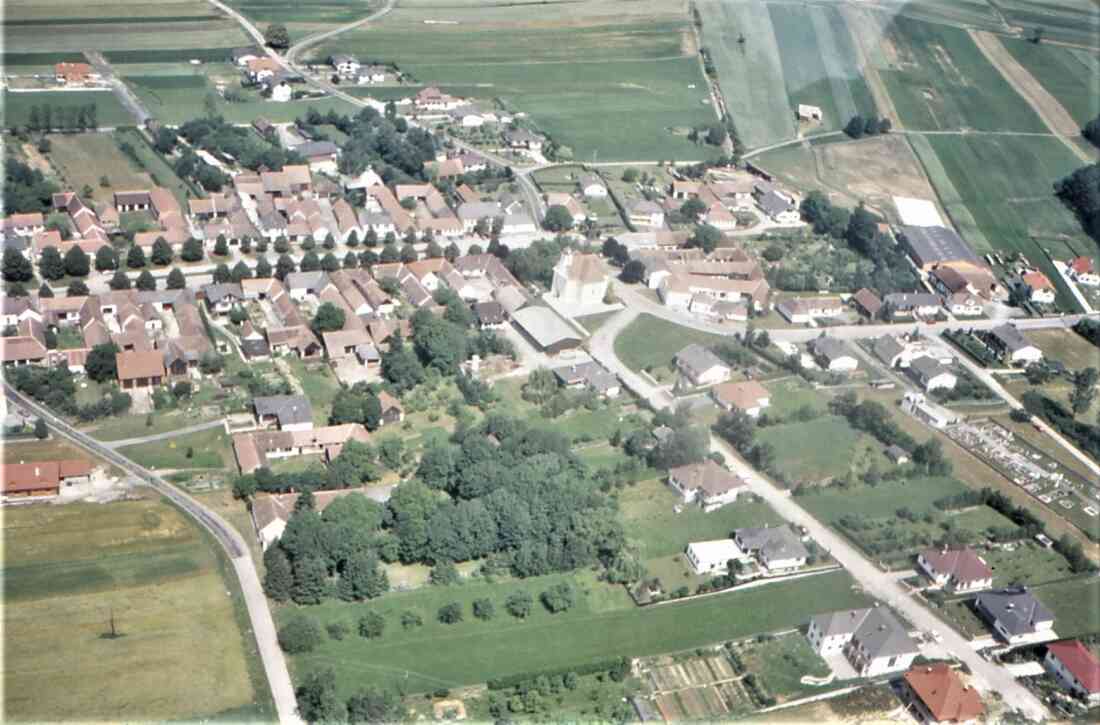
[[859, 126], [48, 117]]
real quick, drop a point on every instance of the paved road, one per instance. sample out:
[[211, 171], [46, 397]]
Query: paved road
[[263, 626], [122, 91], [197, 428]]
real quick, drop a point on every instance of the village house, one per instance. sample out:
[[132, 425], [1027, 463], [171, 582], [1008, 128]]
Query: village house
[[521, 138], [707, 483], [931, 375], [255, 450], [271, 511], [1040, 287], [804, 310], [75, 74], [872, 640], [749, 397], [777, 548], [912, 304], [937, 694], [346, 66], [433, 99], [1015, 614], [140, 369], [580, 279], [1076, 668], [284, 412], [712, 557], [24, 225], [1081, 271], [558, 198], [929, 246], [589, 375], [41, 479], [833, 355], [701, 366], [262, 69], [868, 303], [1013, 346], [956, 570], [592, 187], [779, 208], [646, 214], [809, 113], [392, 410], [27, 346], [222, 297]]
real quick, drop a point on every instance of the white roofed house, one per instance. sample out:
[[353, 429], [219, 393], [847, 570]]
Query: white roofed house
[[521, 138], [346, 66], [707, 483], [713, 557], [221, 298], [803, 310], [471, 212], [809, 113], [580, 279], [647, 214], [701, 366], [780, 208], [592, 186]]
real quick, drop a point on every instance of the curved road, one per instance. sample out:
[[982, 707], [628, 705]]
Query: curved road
[[263, 626], [304, 43]]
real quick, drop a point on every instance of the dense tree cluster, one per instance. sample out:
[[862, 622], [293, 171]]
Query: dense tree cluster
[[26, 189], [1080, 191], [224, 140], [858, 126], [391, 147], [48, 117], [873, 418], [1084, 435], [56, 389], [1091, 131], [1089, 329], [535, 263]]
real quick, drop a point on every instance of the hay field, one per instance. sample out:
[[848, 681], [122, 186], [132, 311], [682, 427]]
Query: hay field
[[66, 568], [620, 81], [16, 107], [1069, 74], [304, 17], [83, 158]]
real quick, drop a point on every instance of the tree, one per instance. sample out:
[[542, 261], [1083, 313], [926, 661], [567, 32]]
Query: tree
[[557, 219], [329, 318], [135, 258], [633, 272], [50, 264], [330, 263], [277, 36], [146, 281], [300, 634], [120, 281], [162, 252], [408, 253], [310, 262], [310, 573], [373, 705], [181, 390], [41, 430], [870, 126], [559, 598], [630, 175], [1084, 390], [77, 263], [284, 266], [263, 268], [444, 573], [101, 364], [855, 127], [106, 258], [240, 271], [221, 246], [371, 625], [44, 291], [192, 251], [716, 135], [362, 578], [222, 274], [77, 288], [17, 268], [439, 343], [693, 208], [351, 261], [450, 613], [434, 251], [411, 620], [705, 237], [401, 366], [278, 576], [318, 701], [176, 280], [484, 609], [519, 604]]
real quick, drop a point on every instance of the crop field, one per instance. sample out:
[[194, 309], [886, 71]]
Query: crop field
[[68, 569], [46, 27], [751, 73], [940, 80], [84, 158], [1069, 21], [603, 624], [304, 16], [820, 63], [1069, 74], [652, 524], [16, 107], [1006, 182], [179, 98], [602, 78]]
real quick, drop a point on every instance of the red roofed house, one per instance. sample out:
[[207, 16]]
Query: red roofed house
[[140, 368], [1082, 270], [748, 396], [956, 570], [42, 478], [72, 74], [1076, 668], [938, 694], [707, 483], [1042, 290]]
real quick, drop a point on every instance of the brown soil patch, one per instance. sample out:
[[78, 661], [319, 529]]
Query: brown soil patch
[[1054, 115], [36, 160], [875, 169]]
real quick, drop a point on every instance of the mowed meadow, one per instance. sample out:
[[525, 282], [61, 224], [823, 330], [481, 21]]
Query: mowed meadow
[[68, 569], [610, 80]]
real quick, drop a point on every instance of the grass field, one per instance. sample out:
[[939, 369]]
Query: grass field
[[1068, 73], [650, 342], [306, 16], [782, 663], [1029, 563], [605, 79], [319, 385], [820, 63], [68, 568], [652, 524], [210, 449], [751, 73], [83, 159], [1069, 21], [1005, 182], [828, 448], [951, 201], [1075, 604], [829, 504], [939, 80], [158, 170], [16, 107], [28, 450], [603, 624]]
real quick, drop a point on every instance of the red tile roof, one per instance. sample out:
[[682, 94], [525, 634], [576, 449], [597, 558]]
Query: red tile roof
[[24, 477], [1079, 660], [1081, 265], [963, 564], [135, 364], [943, 693]]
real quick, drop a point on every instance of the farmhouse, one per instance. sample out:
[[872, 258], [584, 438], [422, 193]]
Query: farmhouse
[[546, 330], [521, 138], [929, 246], [589, 375], [1015, 614], [580, 279], [647, 213], [868, 303], [707, 483], [938, 694], [285, 412], [804, 310], [833, 355], [255, 450], [346, 66], [592, 186], [1039, 286], [1081, 270], [74, 74], [918, 406], [776, 547], [749, 397], [24, 225], [1076, 668], [871, 639], [956, 570], [1010, 343], [931, 375], [912, 304], [701, 366], [41, 479], [713, 557], [27, 346]]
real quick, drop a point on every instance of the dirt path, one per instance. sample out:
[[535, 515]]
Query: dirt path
[[854, 20], [1053, 113]]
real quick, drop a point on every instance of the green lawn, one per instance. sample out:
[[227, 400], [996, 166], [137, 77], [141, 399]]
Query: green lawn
[[109, 112], [650, 342], [154, 165], [650, 521], [600, 626], [319, 384], [918, 494], [134, 426], [827, 448], [781, 663], [942, 81], [820, 63], [1029, 563], [791, 394], [1075, 604], [209, 448]]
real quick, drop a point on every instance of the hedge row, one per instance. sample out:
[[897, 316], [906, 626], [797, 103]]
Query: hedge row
[[616, 663]]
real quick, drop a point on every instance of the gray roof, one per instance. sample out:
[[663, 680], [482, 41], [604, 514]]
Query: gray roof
[[255, 348], [544, 325], [1010, 337], [343, 58], [311, 281], [366, 351], [773, 542], [772, 203], [929, 245], [912, 300], [926, 367], [479, 210], [896, 453], [489, 313], [317, 148], [879, 631], [697, 359], [217, 292], [289, 409], [589, 372], [887, 348], [830, 348], [1017, 610], [510, 297], [645, 206]]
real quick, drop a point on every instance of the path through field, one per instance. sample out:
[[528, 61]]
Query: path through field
[[1053, 114]]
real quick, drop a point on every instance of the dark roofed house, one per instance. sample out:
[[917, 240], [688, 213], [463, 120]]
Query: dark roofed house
[[833, 355], [872, 639], [287, 412], [867, 302], [392, 411], [489, 314], [907, 304], [549, 332], [221, 298], [1015, 614], [255, 349], [929, 246], [777, 547]]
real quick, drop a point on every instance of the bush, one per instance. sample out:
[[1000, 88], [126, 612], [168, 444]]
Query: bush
[[559, 598], [337, 630], [484, 609], [450, 613], [371, 625], [301, 634]]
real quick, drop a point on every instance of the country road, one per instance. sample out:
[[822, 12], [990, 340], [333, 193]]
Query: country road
[[263, 625]]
